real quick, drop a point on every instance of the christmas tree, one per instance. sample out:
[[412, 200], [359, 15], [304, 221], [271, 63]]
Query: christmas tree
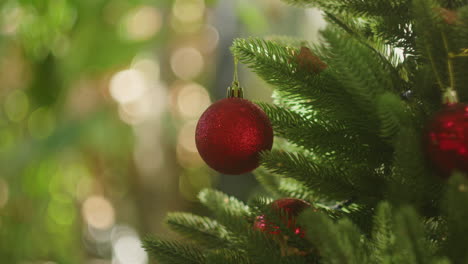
[[373, 165]]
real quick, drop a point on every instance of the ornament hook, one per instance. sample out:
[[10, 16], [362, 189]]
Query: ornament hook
[[235, 90], [450, 96]]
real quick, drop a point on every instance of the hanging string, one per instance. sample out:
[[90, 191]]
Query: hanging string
[[450, 94], [236, 78]]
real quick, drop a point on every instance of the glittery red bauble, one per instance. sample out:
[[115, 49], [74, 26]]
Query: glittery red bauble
[[292, 208], [230, 135], [447, 139]]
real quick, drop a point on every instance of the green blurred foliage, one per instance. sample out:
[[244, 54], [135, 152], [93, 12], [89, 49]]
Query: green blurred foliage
[[61, 136]]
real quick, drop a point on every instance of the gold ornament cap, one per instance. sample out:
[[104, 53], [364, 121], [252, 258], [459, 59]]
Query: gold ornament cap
[[450, 97]]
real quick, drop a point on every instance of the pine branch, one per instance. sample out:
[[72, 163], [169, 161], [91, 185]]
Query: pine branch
[[322, 138], [410, 237], [292, 188], [227, 256], [460, 39], [456, 200], [202, 230], [411, 179], [356, 7], [277, 64], [364, 81], [228, 210], [427, 26], [327, 181], [392, 114], [384, 236], [339, 242], [172, 252]]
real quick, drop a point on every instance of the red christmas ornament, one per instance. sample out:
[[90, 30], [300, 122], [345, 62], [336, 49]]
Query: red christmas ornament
[[230, 135], [292, 207], [447, 139]]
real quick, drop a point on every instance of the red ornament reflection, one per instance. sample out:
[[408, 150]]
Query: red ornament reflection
[[292, 207], [447, 139]]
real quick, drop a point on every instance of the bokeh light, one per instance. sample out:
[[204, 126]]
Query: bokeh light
[[186, 137], [62, 211], [90, 133], [209, 39], [41, 123], [146, 107], [127, 246], [127, 85], [191, 99], [143, 23], [187, 154], [16, 105], [148, 66], [187, 63], [98, 212], [99, 236], [188, 11], [10, 19]]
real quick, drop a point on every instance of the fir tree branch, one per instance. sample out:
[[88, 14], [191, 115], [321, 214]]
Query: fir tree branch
[[383, 235], [411, 179], [339, 242], [327, 181], [370, 43], [228, 256], [410, 237], [322, 138], [430, 43], [228, 210], [456, 200], [203, 230], [172, 252]]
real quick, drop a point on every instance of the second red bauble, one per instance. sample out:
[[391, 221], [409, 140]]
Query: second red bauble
[[230, 135], [292, 207], [447, 139]]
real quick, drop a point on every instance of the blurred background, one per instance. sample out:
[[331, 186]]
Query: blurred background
[[99, 101]]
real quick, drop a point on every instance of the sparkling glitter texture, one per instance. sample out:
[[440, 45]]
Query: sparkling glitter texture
[[292, 207], [447, 139], [230, 135]]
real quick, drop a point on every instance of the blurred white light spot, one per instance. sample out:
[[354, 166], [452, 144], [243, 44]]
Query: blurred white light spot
[[210, 39], [187, 136], [98, 235], [191, 100], [98, 212], [127, 247], [187, 63], [4, 193], [149, 67], [127, 85], [11, 19], [186, 149], [147, 107], [188, 10], [143, 23]]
